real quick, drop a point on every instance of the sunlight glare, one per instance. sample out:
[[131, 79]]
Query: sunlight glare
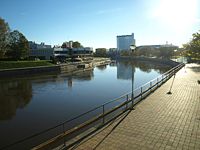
[[179, 15]]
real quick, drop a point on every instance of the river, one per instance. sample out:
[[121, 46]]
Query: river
[[31, 104]]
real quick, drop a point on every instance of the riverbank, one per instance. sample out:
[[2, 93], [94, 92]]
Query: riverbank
[[27, 68], [147, 59], [23, 64]]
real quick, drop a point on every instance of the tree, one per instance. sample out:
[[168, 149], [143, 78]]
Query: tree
[[76, 44], [193, 46], [4, 33], [18, 46], [101, 52], [64, 45], [166, 52]]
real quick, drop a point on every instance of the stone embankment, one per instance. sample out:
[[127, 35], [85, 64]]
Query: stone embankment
[[66, 67]]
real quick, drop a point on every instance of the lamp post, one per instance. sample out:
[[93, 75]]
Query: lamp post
[[132, 48]]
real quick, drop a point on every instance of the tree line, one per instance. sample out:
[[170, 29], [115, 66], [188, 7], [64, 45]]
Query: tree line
[[192, 48], [13, 44], [161, 52]]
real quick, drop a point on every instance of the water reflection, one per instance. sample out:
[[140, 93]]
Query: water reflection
[[14, 95], [102, 67], [125, 68], [81, 76], [52, 99], [17, 93]]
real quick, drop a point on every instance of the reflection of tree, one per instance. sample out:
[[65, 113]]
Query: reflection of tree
[[145, 67], [124, 68], [86, 75], [14, 95], [102, 67]]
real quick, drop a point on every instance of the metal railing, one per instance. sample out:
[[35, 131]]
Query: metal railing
[[103, 115]]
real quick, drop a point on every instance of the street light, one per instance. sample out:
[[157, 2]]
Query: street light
[[132, 48]]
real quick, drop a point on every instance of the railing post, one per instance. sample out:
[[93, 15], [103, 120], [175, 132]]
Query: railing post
[[141, 91], [63, 134], [150, 85], [103, 114], [157, 82], [132, 100], [126, 101]]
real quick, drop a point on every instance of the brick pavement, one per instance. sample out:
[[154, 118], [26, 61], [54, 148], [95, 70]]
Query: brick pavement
[[161, 121]]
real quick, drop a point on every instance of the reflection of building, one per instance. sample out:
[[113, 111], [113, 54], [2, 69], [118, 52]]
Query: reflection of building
[[124, 41], [124, 71], [69, 82]]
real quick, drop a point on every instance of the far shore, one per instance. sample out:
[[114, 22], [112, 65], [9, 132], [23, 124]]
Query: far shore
[[27, 68]]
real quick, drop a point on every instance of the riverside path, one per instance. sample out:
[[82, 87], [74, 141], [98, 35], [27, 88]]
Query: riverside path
[[161, 121]]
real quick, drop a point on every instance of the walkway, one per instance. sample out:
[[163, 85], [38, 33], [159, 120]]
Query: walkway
[[161, 121]]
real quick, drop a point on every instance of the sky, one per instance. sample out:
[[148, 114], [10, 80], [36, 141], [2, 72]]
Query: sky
[[96, 23]]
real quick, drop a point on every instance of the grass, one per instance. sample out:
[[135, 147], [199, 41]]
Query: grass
[[23, 64]]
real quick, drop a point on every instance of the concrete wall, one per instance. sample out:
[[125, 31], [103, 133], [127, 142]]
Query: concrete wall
[[67, 68], [29, 71]]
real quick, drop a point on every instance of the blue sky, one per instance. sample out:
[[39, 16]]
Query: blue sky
[[96, 23]]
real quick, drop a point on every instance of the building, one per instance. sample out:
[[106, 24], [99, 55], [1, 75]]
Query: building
[[82, 52], [40, 51], [42, 54], [34, 45], [124, 41], [63, 53]]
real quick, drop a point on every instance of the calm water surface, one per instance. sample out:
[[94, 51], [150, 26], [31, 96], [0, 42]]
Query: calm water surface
[[32, 104]]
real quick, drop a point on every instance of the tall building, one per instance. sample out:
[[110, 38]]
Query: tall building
[[124, 41]]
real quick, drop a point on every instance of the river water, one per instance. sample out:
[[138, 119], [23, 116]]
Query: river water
[[31, 104]]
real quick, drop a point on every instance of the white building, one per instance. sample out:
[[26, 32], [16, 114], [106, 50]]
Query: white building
[[73, 52], [124, 41]]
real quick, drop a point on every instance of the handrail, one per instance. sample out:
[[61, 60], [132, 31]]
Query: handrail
[[127, 100]]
